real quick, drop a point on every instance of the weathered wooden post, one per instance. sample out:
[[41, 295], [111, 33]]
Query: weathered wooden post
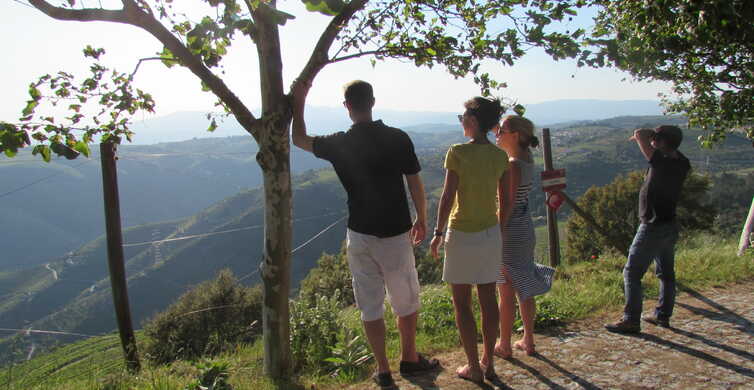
[[745, 241], [552, 217], [115, 256]]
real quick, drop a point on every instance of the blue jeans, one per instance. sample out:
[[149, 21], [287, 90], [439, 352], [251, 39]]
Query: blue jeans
[[652, 242]]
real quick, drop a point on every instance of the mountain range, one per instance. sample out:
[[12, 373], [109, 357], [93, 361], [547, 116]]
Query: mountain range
[[182, 126]]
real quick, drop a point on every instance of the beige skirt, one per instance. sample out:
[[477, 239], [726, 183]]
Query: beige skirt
[[472, 258]]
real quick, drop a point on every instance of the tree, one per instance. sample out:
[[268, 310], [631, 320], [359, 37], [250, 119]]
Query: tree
[[457, 34], [704, 48], [615, 207]]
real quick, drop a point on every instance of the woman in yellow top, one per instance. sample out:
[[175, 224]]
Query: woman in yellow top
[[473, 241]]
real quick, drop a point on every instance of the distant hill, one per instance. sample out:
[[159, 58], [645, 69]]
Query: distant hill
[[157, 182], [323, 120]]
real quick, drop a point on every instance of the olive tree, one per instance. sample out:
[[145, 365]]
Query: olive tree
[[466, 37]]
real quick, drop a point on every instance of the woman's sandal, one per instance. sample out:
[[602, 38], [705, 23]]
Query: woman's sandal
[[464, 372], [529, 349]]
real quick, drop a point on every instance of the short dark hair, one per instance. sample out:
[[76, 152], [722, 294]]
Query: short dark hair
[[671, 135], [486, 111], [359, 95]]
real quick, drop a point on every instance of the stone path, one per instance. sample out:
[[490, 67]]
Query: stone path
[[710, 346]]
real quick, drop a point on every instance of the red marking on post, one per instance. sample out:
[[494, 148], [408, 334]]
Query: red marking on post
[[554, 200], [554, 180]]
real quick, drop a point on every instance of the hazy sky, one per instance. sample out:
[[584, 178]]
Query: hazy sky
[[35, 45]]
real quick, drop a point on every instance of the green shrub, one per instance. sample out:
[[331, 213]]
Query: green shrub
[[350, 355], [437, 313], [206, 320], [330, 274], [314, 330], [615, 208], [428, 268], [212, 376]]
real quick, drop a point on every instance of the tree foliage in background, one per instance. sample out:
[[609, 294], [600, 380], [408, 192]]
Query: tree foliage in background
[[704, 48], [615, 208], [457, 34], [731, 195], [330, 274]]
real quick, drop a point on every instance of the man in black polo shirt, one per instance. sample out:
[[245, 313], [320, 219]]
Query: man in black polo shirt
[[658, 231], [371, 161]]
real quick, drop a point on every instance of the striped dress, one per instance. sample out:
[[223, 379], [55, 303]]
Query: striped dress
[[529, 278]]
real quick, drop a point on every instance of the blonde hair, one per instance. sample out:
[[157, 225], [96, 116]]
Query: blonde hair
[[522, 125]]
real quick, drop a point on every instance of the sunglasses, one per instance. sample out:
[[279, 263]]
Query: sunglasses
[[460, 117]]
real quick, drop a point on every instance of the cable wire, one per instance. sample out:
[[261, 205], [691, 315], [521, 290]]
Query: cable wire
[[221, 232], [40, 180]]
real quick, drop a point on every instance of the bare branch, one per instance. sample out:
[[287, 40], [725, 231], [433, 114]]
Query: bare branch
[[136, 69], [357, 55]]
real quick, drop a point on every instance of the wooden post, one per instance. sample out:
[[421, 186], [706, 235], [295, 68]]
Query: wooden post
[[746, 233], [115, 255], [552, 217]]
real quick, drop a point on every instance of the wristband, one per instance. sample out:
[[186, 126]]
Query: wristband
[[439, 233]]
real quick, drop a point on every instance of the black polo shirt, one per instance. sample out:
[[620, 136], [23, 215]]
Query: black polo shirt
[[370, 160], [661, 190]]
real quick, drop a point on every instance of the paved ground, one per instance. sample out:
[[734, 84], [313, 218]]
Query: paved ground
[[710, 346]]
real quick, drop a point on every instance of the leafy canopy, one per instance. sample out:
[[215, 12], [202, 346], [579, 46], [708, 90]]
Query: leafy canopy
[[704, 48], [467, 38]]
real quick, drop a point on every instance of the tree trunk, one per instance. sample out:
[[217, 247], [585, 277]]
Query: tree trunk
[[273, 157]]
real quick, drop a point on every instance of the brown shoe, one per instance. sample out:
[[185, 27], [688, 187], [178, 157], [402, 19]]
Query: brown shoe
[[654, 320], [624, 327]]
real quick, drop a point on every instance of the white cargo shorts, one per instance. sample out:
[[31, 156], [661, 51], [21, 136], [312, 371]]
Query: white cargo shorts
[[382, 263]]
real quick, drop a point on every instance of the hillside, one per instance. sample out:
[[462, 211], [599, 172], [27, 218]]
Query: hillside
[[710, 333], [157, 183]]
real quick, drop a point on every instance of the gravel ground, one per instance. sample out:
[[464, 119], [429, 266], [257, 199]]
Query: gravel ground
[[710, 345]]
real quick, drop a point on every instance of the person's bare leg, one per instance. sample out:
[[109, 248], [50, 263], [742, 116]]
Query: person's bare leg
[[490, 321], [528, 308], [407, 332], [467, 330], [507, 314], [375, 331]]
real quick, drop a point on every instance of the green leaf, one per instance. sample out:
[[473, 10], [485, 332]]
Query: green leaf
[[34, 92], [30, 106], [44, 150], [10, 153], [83, 148], [519, 109], [212, 125], [327, 7]]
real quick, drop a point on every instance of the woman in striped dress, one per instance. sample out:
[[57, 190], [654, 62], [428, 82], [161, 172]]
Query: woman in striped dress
[[519, 274]]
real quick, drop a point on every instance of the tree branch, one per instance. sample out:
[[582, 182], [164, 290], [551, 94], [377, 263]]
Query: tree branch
[[80, 15], [138, 64], [319, 57], [132, 14], [357, 55]]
